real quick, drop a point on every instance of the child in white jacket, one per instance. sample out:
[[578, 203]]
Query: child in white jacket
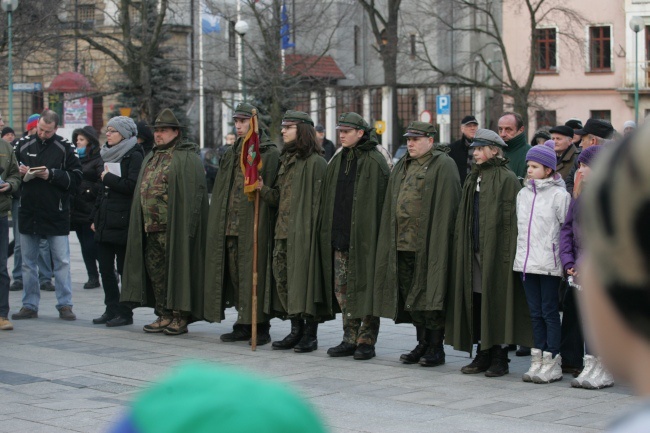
[[541, 209]]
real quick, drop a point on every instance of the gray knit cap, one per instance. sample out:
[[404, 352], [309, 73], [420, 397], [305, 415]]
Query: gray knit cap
[[124, 125]]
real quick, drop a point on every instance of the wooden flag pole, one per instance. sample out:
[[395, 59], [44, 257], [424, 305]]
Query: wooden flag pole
[[254, 307]]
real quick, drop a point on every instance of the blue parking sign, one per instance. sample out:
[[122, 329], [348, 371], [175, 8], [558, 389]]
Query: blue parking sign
[[443, 105]]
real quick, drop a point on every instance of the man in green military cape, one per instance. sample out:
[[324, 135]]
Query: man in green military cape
[[163, 267], [229, 259], [352, 199], [413, 265]]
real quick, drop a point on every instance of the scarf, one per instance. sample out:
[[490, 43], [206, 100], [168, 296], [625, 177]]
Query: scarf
[[117, 152]]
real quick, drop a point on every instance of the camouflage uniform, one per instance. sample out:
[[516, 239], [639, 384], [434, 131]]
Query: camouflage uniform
[[282, 194], [409, 209], [154, 196], [232, 227], [355, 331]]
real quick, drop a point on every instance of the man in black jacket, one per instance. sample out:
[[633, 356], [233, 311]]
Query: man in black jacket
[[51, 171], [460, 151]]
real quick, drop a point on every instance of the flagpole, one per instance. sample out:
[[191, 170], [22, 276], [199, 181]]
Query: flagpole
[[201, 95]]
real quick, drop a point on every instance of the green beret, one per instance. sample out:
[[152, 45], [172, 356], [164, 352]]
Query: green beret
[[292, 117], [352, 120], [420, 129], [244, 111]]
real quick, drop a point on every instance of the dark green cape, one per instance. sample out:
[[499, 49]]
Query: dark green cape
[[505, 318], [306, 295], [219, 291], [187, 218], [369, 191], [432, 275]]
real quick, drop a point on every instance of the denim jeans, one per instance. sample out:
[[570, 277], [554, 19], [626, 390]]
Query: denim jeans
[[60, 248], [44, 258], [4, 273], [543, 301]]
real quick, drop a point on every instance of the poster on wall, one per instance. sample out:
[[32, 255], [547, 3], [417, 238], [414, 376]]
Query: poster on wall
[[77, 113]]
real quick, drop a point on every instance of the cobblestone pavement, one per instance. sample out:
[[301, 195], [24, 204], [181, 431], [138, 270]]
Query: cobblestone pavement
[[58, 376]]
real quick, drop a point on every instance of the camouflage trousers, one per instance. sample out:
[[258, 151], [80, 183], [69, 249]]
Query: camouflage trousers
[[432, 319], [280, 272], [355, 331], [232, 250], [156, 266]]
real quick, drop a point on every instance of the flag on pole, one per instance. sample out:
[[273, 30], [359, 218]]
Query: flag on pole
[[285, 30], [210, 23], [250, 158]]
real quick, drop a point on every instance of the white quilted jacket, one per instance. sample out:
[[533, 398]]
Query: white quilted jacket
[[541, 209]]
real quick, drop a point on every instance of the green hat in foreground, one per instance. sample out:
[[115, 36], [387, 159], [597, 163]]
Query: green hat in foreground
[[166, 119], [420, 129], [352, 121], [244, 111], [199, 398], [487, 137], [292, 117]]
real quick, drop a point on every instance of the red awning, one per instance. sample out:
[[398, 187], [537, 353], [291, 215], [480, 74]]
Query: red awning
[[319, 67], [70, 82]]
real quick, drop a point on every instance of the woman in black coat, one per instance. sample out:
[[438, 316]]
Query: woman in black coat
[[112, 209], [84, 201]]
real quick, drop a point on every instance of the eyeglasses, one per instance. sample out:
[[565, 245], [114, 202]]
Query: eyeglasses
[[111, 131]]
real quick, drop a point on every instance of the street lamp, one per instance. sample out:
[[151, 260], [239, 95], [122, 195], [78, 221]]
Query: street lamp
[[241, 27], [636, 24], [9, 6]]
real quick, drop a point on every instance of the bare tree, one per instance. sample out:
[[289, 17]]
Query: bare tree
[[385, 29], [136, 44], [482, 20]]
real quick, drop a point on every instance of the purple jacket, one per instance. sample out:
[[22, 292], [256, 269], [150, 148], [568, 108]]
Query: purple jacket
[[570, 248]]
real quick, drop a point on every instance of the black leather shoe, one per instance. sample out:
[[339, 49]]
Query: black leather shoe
[[263, 335], [47, 287], [364, 351], [523, 351], [239, 333], [119, 321], [103, 319], [92, 283], [435, 354], [309, 340], [413, 357], [343, 349], [290, 341]]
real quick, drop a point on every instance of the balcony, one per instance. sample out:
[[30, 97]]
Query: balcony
[[644, 74]]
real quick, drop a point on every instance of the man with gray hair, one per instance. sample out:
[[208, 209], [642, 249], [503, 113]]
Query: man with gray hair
[[51, 171]]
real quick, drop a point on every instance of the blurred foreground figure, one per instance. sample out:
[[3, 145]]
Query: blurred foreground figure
[[203, 399], [616, 270]]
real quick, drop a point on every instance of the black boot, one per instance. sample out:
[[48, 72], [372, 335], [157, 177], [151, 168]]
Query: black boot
[[500, 361], [413, 357], [263, 335], [239, 333], [309, 340], [343, 349], [481, 362], [290, 341], [435, 354]]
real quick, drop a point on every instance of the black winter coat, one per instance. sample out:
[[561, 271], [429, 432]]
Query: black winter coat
[[83, 203], [45, 204], [458, 152], [113, 206]]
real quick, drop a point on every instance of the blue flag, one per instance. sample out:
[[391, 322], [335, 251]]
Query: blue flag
[[285, 30]]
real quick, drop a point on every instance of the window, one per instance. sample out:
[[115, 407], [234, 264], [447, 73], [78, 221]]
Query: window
[[86, 13], [232, 41], [545, 118], [546, 50], [601, 115], [600, 49], [357, 44]]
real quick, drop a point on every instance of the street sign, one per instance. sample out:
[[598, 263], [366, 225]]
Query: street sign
[[380, 126], [28, 87], [443, 109], [426, 116]]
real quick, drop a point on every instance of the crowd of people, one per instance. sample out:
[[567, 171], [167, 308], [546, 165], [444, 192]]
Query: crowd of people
[[477, 243]]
